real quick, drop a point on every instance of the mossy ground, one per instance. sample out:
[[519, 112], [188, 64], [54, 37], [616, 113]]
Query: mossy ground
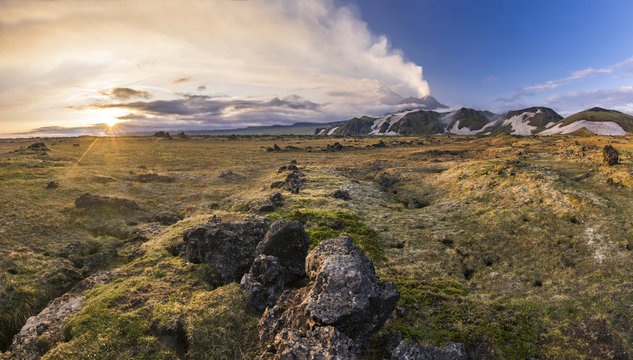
[[508, 253]]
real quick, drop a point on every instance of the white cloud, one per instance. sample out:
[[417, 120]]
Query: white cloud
[[66, 53], [620, 99]]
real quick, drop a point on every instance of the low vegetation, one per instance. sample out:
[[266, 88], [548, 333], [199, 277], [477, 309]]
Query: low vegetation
[[517, 247]]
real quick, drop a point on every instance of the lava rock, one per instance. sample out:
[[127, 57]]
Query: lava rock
[[334, 147], [343, 304], [276, 199], [280, 259], [167, 218], [52, 185], [88, 201], [386, 180], [610, 155], [341, 194], [153, 177], [227, 248], [38, 146], [409, 350]]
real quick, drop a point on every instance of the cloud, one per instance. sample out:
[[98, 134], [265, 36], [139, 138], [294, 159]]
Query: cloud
[[206, 108], [202, 88], [59, 56], [181, 80], [622, 69], [491, 79], [625, 68], [620, 99], [576, 75], [126, 93]]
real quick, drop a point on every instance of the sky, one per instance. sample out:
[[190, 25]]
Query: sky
[[74, 67]]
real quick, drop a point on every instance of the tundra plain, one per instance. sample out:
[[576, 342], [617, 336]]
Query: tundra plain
[[518, 247]]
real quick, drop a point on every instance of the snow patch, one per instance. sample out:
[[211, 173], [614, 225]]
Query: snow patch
[[321, 132], [521, 123], [466, 130], [550, 124], [389, 119], [596, 127], [332, 130]]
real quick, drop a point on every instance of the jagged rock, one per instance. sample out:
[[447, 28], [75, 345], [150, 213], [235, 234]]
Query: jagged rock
[[227, 248], [335, 313], [52, 185], [153, 177], [38, 146], [326, 343], [293, 182], [166, 218], [610, 155], [280, 259], [88, 201], [386, 180], [409, 350], [341, 194], [49, 323], [334, 147], [276, 199]]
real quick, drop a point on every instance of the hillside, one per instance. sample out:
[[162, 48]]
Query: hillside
[[527, 121], [596, 120]]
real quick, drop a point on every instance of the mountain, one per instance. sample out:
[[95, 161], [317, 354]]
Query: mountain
[[300, 128], [467, 121], [427, 102], [527, 121], [464, 121], [596, 120]]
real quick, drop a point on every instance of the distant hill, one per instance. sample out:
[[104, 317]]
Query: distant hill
[[528, 121], [301, 128], [464, 121], [596, 121]]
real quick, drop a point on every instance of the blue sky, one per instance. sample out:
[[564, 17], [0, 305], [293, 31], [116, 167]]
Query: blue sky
[[474, 52], [74, 67]]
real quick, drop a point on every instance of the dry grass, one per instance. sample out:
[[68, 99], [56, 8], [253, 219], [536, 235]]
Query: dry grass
[[505, 251]]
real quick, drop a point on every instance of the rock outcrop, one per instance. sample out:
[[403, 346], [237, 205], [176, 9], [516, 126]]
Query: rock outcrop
[[44, 330], [610, 155], [279, 260], [227, 248], [88, 201], [409, 350], [343, 304]]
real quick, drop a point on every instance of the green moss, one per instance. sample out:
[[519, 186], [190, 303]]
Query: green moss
[[321, 225], [440, 311]]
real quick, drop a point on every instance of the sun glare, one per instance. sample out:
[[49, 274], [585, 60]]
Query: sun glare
[[109, 117]]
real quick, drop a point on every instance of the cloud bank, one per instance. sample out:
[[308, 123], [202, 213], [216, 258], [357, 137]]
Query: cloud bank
[[278, 61]]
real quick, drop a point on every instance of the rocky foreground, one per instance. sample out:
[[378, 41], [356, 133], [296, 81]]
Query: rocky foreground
[[322, 304]]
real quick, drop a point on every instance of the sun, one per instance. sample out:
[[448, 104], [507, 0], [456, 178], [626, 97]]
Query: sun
[[108, 117], [111, 122]]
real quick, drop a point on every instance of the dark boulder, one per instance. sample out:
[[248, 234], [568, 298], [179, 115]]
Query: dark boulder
[[38, 146], [227, 248], [88, 201], [334, 147], [335, 313], [409, 350], [610, 155], [386, 180], [167, 218], [341, 194], [276, 199], [153, 177], [279, 260], [52, 185]]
